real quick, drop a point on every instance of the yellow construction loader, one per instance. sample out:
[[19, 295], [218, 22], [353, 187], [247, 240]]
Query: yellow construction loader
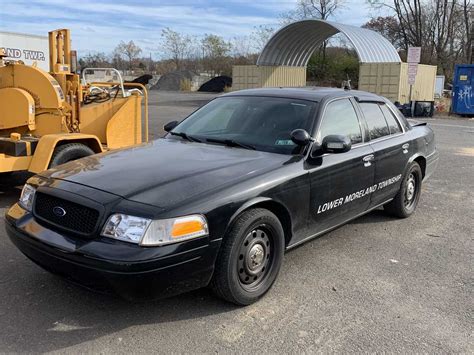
[[47, 119]]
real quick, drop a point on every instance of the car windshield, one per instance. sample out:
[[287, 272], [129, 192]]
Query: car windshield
[[261, 123]]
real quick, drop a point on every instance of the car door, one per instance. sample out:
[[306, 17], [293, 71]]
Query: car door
[[390, 147], [340, 183]]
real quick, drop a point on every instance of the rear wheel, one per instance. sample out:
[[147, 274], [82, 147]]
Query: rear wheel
[[406, 200], [250, 258], [68, 152]]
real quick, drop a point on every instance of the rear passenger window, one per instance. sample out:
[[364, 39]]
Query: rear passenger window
[[375, 120], [392, 122], [340, 118]]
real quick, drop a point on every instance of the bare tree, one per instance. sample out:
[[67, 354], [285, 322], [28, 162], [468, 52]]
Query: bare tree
[[216, 51], [307, 9], [261, 35], [410, 17], [178, 46], [468, 14], [314, 9], [128, 50], [440, 27], [96, 60], [241, 46], [215, 46], [389, 27]]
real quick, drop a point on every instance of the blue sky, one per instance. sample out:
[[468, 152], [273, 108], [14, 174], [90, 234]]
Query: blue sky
[[99, 25]]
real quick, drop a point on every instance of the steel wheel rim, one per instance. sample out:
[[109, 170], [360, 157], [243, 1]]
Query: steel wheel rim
[[410, 191], [255, 257]]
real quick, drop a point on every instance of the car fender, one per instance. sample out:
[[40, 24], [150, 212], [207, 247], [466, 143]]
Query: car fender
[[252, 202], [282, 213], [412, 159]]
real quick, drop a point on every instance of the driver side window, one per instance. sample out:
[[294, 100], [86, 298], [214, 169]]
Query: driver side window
[[340, 118]]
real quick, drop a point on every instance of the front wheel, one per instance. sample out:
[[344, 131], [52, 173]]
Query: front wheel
[[250, 257], [406, 200]]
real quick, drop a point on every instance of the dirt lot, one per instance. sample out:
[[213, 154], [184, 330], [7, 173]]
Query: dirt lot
[[376, 284]]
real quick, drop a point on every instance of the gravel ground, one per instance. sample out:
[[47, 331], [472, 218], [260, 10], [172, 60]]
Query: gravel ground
[[376, 284]]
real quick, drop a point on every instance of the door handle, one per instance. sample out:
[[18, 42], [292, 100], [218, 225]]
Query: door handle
[[405, 148], [368, 159]]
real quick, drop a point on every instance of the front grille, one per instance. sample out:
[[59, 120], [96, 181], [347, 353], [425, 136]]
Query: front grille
[[77, 218]]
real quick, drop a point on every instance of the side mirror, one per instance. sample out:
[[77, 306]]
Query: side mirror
[[300, 137], [336, 144], [170, 125]]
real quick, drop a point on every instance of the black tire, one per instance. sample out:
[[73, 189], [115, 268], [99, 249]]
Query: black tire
[[406, 200], [68, 152], [250, 257]]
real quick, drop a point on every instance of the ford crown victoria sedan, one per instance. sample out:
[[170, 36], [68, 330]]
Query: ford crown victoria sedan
[[224, 193]]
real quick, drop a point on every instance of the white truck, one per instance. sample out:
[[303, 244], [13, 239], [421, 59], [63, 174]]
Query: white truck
[[27, 48]]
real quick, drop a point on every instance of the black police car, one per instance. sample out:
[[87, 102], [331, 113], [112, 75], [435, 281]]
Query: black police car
[[219, 199]]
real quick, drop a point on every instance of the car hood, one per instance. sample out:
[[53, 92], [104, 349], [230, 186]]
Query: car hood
[[166, 172]]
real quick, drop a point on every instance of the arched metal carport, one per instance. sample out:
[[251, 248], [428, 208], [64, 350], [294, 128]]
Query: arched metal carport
[[294, 44]]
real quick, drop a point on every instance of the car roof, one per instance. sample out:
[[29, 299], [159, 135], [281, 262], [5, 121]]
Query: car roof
[[311, 93]]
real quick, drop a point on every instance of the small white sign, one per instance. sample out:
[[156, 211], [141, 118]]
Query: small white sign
[[412, 71], [414, 55]]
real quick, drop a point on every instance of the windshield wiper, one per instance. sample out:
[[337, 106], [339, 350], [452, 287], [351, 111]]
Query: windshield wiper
[[230, 143], [185, 136]]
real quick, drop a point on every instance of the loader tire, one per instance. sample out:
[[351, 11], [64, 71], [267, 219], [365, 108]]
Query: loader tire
[[68, 152]]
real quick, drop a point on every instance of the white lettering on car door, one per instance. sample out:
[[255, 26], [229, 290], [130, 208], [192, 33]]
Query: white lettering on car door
[[327, 206]]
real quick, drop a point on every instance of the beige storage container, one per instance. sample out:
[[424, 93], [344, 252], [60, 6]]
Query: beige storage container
[[253, 76], [391, 80]]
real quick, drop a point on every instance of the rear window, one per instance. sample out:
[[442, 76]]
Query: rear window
[[375, 120], [392, 122]]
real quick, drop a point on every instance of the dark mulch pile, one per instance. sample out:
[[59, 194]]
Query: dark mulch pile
[[143, 79], [217, 84]]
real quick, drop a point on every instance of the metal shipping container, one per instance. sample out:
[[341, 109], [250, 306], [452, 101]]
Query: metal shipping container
[[28, 48], [253, 76], [391, 80], [463, 91]]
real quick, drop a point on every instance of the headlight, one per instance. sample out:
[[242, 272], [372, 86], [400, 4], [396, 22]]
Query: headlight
[[126, 228], [27, 196], [167, 231], [148, 232]]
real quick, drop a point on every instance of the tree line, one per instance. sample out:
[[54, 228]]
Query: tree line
[[442, 28], [210, 53]]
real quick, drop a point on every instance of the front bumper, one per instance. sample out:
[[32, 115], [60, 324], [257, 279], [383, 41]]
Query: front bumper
[[104, 264]]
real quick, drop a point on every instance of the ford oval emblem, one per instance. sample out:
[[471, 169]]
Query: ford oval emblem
[[59, 211]]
